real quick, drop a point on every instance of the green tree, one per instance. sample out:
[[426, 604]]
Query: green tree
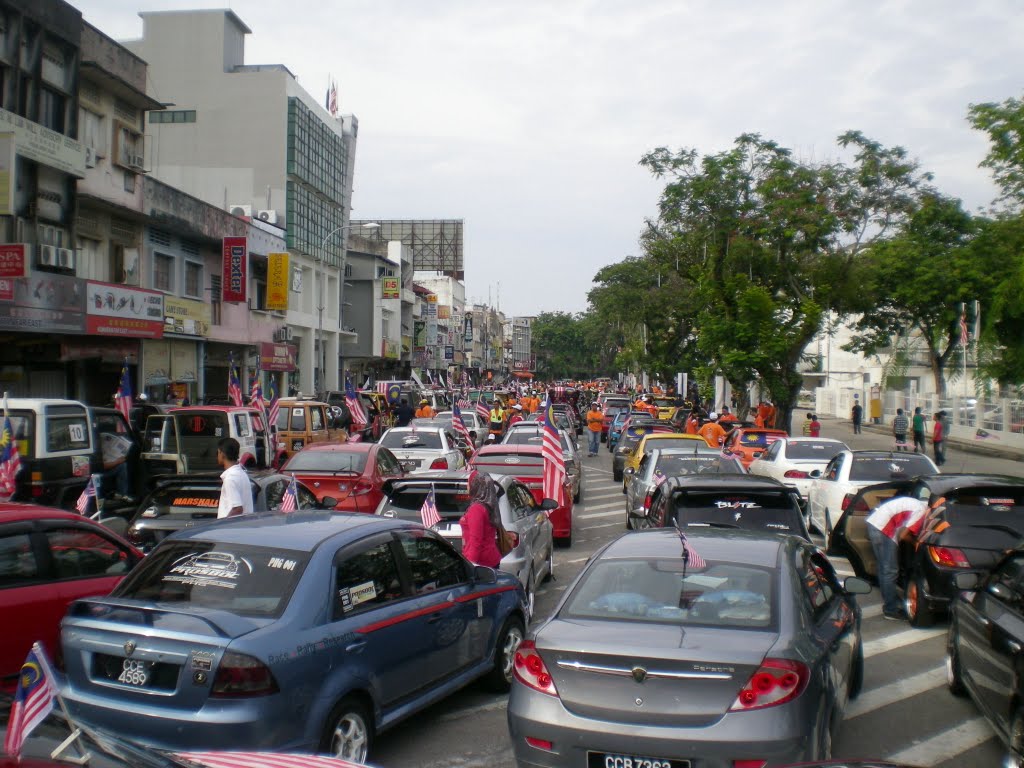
[[1004, 124]]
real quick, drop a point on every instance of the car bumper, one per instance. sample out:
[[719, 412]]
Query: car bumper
[[765, 735]]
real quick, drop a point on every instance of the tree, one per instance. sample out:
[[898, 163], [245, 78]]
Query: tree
[[1004, 124], [558, 339]]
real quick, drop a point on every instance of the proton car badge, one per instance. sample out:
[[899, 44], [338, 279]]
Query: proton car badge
[[639, 674], [129, 648]]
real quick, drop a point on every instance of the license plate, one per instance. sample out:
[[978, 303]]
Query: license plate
[[409, 465], [134, 672], [607, 760]]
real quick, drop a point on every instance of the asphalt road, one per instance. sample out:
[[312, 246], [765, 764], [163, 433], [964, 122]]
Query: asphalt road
[[905, 712]]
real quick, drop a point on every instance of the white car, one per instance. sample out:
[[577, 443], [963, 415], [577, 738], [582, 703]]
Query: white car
[[419, 449], [792, 459], [849, 471], [475, 425]]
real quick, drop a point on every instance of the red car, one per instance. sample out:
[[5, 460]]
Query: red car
[[353, 473], [48, 559], [612, 406], [526, 464]]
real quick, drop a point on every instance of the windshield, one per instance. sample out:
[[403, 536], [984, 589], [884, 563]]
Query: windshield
[[764, 511], [656, 591], [890, 467], [412, 441], [813, 451], [406, 502], [327, 461], [687, 464]]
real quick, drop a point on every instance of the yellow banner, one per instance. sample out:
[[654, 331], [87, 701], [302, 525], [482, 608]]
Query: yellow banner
[[277, 281]]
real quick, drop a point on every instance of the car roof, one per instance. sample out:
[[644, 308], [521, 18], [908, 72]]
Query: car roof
[[505, 448], [944, 483], [725, 483], [339, 447], [13, 511], [806, 439], [221, 408], [765, 430], [732, 546]]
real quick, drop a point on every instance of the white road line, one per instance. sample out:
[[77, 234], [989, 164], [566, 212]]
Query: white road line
[[617, 523], [942, 746], [611, 495], [871, 612], [877, 698], [610, 505], [574, 560], [899, 640], [588, 470], [592, 515]]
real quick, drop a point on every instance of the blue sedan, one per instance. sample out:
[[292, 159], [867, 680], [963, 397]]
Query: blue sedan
[[306, 632]]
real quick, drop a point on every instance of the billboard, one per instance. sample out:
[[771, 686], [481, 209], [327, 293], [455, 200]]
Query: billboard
[[14, 260], [42, 302], [236, 265], [277, 281], [120, 310], [389, 288]]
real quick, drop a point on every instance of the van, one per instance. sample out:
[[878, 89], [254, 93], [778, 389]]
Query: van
[[184, 440], [301, 422]]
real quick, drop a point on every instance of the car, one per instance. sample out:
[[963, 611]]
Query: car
[[610, 406], [476, 426], [325, 630], [351, 473], [526, 464], [531, 433], [749, 443], [662, 463], [727, 502], [615, 428], [562, 420], [983, 647], [429, 448], [48, 558], [666, 406], [791, 460], [300, 422], [744, 651], [186, 501], [531, 559], [832, 489], [632, 433], [971, 520], [570, 411], [675, 440]]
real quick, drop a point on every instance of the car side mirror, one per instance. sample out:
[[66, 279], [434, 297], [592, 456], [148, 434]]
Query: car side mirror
[[327, 502], [856, 585], [1001, 591], [484, 575], [630, 471], [968, 581], [548, 505], [814, 473]]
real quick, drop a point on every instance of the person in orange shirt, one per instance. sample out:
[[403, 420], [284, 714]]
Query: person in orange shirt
[[726, 415], [424, 411], [595, 423], [692, 423], [769, 419], [712, 431]]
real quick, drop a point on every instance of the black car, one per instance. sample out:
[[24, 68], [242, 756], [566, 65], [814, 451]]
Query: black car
[[183, 501], [971, 521], [631, 435], [741, 502], [985, 644]]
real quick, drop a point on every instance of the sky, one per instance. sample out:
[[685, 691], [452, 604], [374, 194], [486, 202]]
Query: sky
[[528, 119]]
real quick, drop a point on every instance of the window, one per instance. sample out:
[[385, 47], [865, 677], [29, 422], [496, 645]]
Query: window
[[316, 416], [298, 420], [90, 130], [242, 425], [215, 296], [82, 554], [163, 272], [365, 580], [389, 465], [51, 110], [433, 564], [193, 279], [67, 432], [128, 147], [18, 564], [173, 116], [259, 293], [815, 578]]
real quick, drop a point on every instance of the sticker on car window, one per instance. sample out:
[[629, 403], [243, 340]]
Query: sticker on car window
[[209, 569], [281, 563], [218, 432], [194, 501], [344, 600], [362, 593]]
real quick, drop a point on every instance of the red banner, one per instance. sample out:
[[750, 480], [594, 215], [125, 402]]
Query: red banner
[[120, 310], [277, 357], [13, 262], [236, 263]]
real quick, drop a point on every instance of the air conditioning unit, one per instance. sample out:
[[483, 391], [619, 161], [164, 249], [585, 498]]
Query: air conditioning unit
[[137, 161], [48, 255], [283, 334], [269, 216], [241, 210], [65, 258]]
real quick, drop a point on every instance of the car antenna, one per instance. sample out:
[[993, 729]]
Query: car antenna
[[682, 542]]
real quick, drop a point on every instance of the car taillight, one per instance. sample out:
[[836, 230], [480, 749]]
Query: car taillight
[[950, 557], [529, 669], [795, 473], [647, 501], [362, 488], [775, 682], [846, 501], [241, 675], [439, 464]]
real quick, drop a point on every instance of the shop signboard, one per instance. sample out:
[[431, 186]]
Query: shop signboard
[[419, 336], [389, 349], [468, 336], [389, 288], [7, 166], [236, 265], [449, 353], [43, 145], [120, 310], [277, 357], [277, 282], [186, 316], [43, 302], [14, 260], [444, 312]]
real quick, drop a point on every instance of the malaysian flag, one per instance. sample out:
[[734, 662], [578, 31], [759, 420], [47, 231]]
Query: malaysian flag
[[332, 99], [32, 701], [10, 460], [234, 385], [554, 461], [256, 396], [290, 502], [481, 407], [428, 512], [275, 406], [459, 425], [354, 407], [89, 492], [964, 338], [690, 556], [123, 400]]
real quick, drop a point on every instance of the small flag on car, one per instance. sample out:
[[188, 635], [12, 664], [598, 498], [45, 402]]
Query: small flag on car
[[89, 492], [690, 555], [428, 512], [32, 701], [290, 502]]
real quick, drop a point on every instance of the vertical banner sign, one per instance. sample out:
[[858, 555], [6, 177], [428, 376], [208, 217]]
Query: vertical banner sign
[[236, 262], [469, 329], [389, 288], [277, 281]]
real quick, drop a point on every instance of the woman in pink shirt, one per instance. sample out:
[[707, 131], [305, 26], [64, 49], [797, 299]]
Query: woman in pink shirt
[[481, 521]]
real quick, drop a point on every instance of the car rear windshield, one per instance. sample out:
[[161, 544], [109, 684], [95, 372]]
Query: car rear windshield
[[758, 439], [202, 424], [327, 461], [701, 464], [889, 467], [813, 451], [751, 511], [532, 437], [677, 443], [412, 440], [242, 579], [406, 502], [657, 591], [185, 499]]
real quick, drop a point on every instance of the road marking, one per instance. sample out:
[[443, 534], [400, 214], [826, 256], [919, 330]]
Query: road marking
[[588, 470], [872, 611], [617, 523], [591, 497], [946, 744], [610, 505], [574, 560], [592, 515], [877, 698], [899, 640]]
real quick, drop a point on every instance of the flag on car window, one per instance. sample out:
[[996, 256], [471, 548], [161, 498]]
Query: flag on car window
[[32, 701], [123, 399], [10, 461], [690, 555], [428, 512], [275, 406], [554, 460], [459, 425], [354, 407], [89, 492], [290, 502], [234, 385]]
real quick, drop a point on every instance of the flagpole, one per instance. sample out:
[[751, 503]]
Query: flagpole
[[84, 757]]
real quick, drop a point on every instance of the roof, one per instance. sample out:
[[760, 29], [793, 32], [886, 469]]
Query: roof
[[944, 483], [731, 546], [503, 449], [807, 439], [220, 408], [725, 483]]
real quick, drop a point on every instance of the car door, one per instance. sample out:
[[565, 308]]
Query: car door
[[822, 491], [768, 465], [529, 522], [26, 591], [850, 535]]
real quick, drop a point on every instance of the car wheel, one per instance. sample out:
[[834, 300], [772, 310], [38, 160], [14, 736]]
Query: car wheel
[[499, 679], [954, 675], [564, 541], [550, 574], [1015, 753], [857, 671], [918, 610], [617, 475], [349, 732]]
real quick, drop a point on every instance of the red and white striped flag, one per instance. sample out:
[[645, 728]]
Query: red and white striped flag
[[354, 407], [428, 512], [89, 492], [234, 385], [459, 425], [275, 406], [964, 337], [693, 560], [32, 701], [554, 460], [481, 407], [290, 502], [10, 459]]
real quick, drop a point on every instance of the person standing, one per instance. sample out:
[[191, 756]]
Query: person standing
[[595, 423], [807, 425], [712, 431], [403, 413], [236, 490], [899, 430], [892, 521], [496, 420], [517, 415], [481, 522], [917, 426], [815, 426], [939, 438], [424, 411], [856, 415]]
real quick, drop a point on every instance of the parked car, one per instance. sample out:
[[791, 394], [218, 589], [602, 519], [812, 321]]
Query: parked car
[[610, 407], [673, 440], [531, 433], [526, 464], [531, 560], [620, 420], [662, 463], [791, 460], [308, 632], [632, 433], [351, 473], [185, 439], [300, 422], [477, 428], [48, 558], [418, 449], [562, 420], [749, 443], [186, 501], [771, 651], [832, 489]]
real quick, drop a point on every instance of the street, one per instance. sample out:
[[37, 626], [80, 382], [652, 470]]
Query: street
[[905, 713]]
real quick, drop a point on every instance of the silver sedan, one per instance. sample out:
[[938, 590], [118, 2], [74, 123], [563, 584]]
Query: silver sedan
[[744, 650]]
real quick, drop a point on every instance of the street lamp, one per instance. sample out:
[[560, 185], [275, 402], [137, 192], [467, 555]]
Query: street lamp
[[341, 290]]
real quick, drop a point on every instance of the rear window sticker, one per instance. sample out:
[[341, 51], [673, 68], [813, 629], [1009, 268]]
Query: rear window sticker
[[362, 593], [209, 569], [282, 564], [345, 600], [194, 501]]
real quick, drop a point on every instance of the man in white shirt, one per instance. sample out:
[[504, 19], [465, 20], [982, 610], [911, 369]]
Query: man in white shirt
[[891, 520], [236, 491]]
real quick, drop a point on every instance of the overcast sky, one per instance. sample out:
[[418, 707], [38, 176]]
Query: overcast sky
[[527, 119]]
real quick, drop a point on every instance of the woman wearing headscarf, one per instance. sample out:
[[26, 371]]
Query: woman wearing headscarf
[[481, 521]]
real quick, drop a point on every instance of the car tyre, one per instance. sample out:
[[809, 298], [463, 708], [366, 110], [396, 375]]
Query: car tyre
[[579, 494], [550, 575], [349, 732], [857, 672], [919, 612], [499, 679], [954, 673], [564, 541]]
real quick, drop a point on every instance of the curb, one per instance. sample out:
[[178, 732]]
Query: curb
[[967, 446]]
